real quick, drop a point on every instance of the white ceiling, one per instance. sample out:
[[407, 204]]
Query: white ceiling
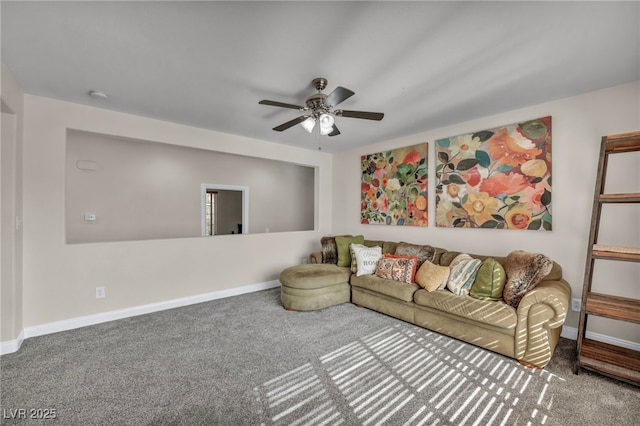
[[424, 64]]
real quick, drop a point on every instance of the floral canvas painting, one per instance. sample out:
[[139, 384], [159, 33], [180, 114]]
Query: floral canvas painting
[[394, 187], [497, 178]]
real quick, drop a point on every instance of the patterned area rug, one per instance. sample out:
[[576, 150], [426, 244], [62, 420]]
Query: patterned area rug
[[406, 375]]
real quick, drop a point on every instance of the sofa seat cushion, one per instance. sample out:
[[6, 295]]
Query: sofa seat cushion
[[391, 288], [314, 275], [498, 314]]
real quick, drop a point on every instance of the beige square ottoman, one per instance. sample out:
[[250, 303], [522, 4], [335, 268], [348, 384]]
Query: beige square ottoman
[[314, 286]]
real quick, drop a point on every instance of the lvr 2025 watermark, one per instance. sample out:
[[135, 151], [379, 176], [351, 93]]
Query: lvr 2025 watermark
[[30, 413]]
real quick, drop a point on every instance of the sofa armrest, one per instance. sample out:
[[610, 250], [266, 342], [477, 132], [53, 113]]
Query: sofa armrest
[[541, 313], [315, 257]]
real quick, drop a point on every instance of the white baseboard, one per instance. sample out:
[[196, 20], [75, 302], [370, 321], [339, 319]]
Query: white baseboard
[[569, 333], [572, 333], [12, 345], [73, 323]]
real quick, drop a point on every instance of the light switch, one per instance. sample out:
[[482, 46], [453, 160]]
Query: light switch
[[89, 217]]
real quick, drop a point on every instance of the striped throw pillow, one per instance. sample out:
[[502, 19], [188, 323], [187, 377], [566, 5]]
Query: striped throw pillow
[[463, 272]]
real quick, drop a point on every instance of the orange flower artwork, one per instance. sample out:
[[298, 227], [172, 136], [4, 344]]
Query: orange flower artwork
[[498, 178], [394, 187]]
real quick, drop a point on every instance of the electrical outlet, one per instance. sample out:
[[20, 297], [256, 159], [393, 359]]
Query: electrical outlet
[[576, 305], [100, 293]]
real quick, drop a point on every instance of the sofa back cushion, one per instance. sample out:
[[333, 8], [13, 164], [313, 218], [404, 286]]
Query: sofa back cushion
[[389, 247], [373, 243]]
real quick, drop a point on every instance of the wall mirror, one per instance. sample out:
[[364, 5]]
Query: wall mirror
[[225, 209], [120, 189]]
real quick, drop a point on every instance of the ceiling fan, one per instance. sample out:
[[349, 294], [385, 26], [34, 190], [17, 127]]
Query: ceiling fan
[[319, 109]]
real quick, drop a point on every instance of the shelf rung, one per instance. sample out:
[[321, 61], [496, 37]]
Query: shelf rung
[[631, 254], [615, 307], [620, 198], [609, 359], [625, 142]]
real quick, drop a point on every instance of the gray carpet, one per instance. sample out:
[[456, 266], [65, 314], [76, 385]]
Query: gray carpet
[[246, 361]]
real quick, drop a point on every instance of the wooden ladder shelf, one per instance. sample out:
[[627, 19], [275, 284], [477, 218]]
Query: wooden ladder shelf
[[605, 358]]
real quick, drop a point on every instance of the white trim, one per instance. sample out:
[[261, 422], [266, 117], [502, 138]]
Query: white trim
[[12, 345], [73, 323], [572, 333], [203, 208]]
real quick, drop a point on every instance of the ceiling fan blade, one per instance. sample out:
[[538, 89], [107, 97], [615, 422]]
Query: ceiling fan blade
[[281, 104], [335, 131], [291, 123], [338, 95], [360, 114]]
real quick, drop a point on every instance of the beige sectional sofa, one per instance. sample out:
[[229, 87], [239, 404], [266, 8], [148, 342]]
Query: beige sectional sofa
[[528, 333]]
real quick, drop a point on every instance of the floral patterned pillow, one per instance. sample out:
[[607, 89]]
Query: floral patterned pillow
[[398, 268]]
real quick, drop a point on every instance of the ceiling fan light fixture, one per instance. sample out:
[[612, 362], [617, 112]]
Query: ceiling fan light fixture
[[326, 123], [309, 124], [325, 131], [319, 109]]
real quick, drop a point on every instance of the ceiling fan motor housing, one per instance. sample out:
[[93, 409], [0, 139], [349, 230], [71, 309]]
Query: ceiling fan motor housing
[[316, 101]]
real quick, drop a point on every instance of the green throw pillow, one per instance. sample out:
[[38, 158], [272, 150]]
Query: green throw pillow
[[344, 254], [489, 281]]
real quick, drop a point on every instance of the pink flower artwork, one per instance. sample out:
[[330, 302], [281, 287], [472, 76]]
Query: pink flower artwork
[[497, 178]]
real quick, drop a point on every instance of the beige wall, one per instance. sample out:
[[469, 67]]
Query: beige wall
[[11, 208], [56, 281], [578, 124], [142, 190], [60, 278]]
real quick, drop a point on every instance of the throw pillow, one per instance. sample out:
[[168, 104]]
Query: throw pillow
[[432, 277], [463, 272], [423, 253], [400, 268], [365, 258], [489, 281], [329, 250], [366, 244], [344, 254], [524, 272]]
